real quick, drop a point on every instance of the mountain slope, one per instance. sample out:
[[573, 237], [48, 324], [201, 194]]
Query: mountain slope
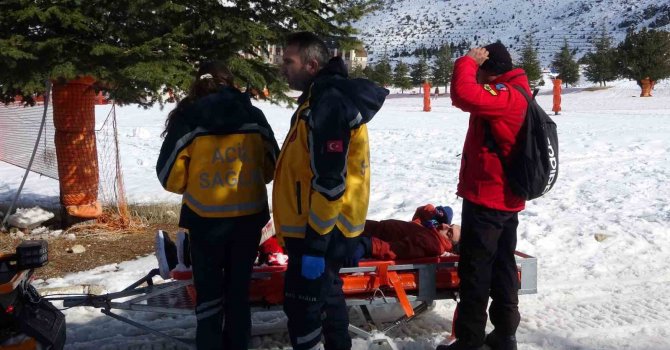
[[407, 25]]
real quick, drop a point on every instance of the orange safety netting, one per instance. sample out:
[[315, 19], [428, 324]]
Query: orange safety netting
[[112, 189], [74, 120], [19, 126]]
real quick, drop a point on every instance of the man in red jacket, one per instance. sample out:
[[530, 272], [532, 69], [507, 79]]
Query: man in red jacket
[[483, 84]]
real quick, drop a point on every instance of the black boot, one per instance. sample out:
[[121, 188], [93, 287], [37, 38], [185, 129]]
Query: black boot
[[500, 342]]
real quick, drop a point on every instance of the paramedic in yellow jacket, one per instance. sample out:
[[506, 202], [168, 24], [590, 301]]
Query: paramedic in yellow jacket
[[321, 189], [219, 153]]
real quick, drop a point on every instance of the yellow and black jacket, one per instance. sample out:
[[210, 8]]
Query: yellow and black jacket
[[219, 153], [322, 180]]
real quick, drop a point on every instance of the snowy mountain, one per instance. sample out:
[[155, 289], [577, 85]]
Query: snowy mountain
[[406, 25]]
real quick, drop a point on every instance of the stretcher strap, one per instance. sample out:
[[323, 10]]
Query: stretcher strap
[[392, 279]]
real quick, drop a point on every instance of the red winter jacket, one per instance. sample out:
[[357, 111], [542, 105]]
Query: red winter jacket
[[396, 239], [481, 179]]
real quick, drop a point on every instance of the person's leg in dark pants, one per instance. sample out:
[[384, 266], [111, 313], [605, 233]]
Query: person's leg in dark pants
[[207, 255], [504, 309], [480, 232], [240, 253], [307, 300], [302, 300], [336, 323]]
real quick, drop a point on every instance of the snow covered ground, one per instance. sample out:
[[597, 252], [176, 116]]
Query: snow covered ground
[[613, 180]]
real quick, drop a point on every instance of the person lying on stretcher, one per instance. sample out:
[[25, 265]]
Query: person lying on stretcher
[[429, 233]]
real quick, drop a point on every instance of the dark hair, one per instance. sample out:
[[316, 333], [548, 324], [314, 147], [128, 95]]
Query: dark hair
[[311, 47], [210, 77]]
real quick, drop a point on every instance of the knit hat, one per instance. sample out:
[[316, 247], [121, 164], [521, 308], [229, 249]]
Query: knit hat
[[499, 61], [444, 214]]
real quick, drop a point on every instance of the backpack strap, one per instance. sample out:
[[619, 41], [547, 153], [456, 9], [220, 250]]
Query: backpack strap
[[525, 94], [489, 141]]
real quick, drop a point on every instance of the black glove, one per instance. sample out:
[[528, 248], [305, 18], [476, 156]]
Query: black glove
[[363, 249]]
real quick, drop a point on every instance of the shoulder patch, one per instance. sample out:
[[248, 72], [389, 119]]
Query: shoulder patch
[[488, 88], [501, 87]]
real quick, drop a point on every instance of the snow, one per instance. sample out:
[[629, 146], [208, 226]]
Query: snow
[[602, 235], [29, 217], [406, 25]]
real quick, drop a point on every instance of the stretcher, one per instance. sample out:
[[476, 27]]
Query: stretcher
[[412, 284]]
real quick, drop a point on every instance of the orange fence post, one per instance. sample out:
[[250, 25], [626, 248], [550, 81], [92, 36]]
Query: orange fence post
[[646, 85], [426, 96], [74, 120], [557, 95]]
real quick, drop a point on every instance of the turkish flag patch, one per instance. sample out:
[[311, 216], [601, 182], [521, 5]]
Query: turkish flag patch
[[334, 146]]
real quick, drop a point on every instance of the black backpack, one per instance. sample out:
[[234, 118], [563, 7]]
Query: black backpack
[[533, 170]]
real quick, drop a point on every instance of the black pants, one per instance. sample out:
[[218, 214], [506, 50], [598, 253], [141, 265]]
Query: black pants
[[223, 253], [487, 268], [316, 307]]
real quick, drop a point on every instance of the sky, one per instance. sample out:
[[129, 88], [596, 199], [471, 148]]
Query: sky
[[612, 182]]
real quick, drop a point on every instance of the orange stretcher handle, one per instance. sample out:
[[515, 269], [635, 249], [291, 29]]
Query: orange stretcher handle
[[400, 292]]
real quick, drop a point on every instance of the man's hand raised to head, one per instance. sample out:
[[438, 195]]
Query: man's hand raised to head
[[479, 54]]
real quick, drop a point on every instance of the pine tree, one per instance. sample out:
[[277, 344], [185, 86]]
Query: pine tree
[[601, 63], [357, 71], [419, 72], [135, 49], [564, 62], [443, 66], [369, 72], [383, 72], [401, 78], [645, 54], [529, 61]]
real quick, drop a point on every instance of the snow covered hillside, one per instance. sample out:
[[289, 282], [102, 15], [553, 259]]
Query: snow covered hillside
[[592, 294], [405, 25]]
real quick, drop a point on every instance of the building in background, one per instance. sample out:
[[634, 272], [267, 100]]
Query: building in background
[[352, 58]]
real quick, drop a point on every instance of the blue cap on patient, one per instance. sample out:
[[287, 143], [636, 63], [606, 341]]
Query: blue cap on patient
[[444, 214]]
